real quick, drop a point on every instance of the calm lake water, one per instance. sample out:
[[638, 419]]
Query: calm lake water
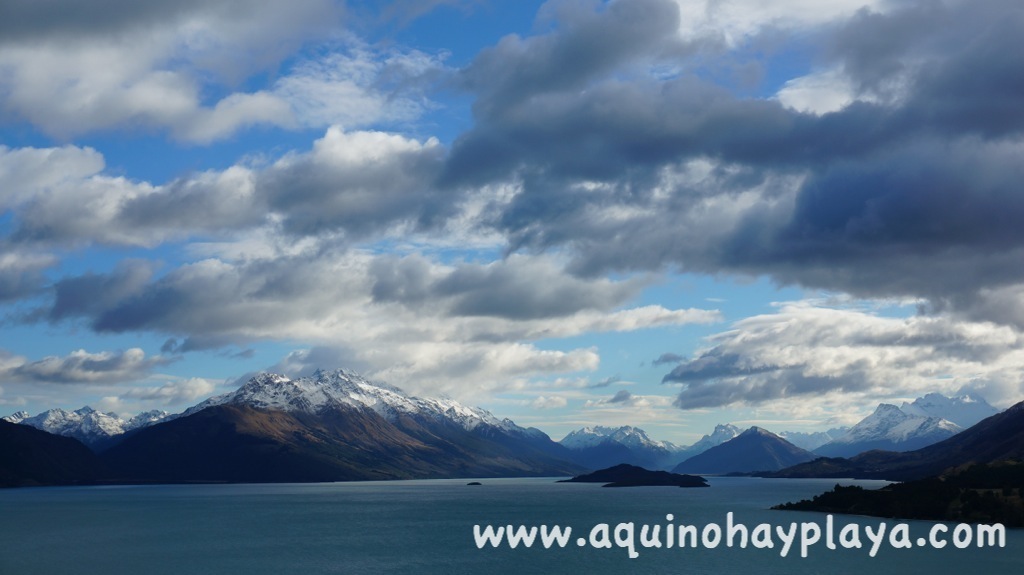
[[427, 527]]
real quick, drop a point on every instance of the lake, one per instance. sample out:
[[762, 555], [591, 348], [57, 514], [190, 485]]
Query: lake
[[427, 527]]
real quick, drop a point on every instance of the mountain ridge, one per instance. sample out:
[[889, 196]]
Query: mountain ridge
[[333, 426], [996, 438], [756, 449]]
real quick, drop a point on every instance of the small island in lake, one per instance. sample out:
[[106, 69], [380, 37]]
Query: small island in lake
[[625, 475]]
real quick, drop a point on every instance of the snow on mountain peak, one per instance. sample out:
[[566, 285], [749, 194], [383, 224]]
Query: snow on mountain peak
[[331, 389], [632, 437], [892, 423], [17, 417], [964, 410], [86, 424]]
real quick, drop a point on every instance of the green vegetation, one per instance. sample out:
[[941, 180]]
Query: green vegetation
[[977, 493]]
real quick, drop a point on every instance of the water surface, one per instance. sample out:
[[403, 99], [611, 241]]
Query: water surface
[[426, 527]]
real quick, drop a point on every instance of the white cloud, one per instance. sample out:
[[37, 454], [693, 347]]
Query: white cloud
[[358, 87], [27, 172], [179, 72], [171, 395], [819, 357], [736, 20], [360, 183], [86, 85], [81, 366], [817, 93], [548, 402]]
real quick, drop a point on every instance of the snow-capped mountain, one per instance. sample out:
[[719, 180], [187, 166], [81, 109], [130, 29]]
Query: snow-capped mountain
[[93, 428], [599, 447], [891, 429], [723, 432], [999, 438], [965, 410], [326, 390], [813, 439], [333, 426], [632, 437]]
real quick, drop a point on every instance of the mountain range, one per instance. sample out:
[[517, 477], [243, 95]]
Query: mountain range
[[996, 438], [339, 426], [599, 447], [96, 429], [756, 449], [925, 421], [813, 439], [331, 426]]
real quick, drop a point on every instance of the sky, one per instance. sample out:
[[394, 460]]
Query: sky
[[662, 213]]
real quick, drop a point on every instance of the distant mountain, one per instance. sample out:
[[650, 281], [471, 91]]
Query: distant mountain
[[29, 456], [892, 429], [997, 438], [624, 475], [812, 440], [721, 434], [599, 447], [965, 410], [333, 426], [96, 429], [755, 449]]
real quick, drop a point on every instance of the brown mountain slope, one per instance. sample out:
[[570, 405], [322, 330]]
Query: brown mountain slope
[[238, 443]]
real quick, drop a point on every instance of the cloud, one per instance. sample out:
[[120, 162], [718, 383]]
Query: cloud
[[548, 402], [358, 183], [737, 21], [332, 301], [606, 382], [353, 184], [668, 358], [81, 366], [176, 392], [516, 288], [358, 86], [175, 69], [805, 352], [901, 185], [644, 406], [22, 273], [621, 396]]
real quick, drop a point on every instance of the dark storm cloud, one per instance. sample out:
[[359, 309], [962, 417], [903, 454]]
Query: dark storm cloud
[[590, 39], [963, 61], [24, 19], [913, 192], [33, 20], [92, 293]]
